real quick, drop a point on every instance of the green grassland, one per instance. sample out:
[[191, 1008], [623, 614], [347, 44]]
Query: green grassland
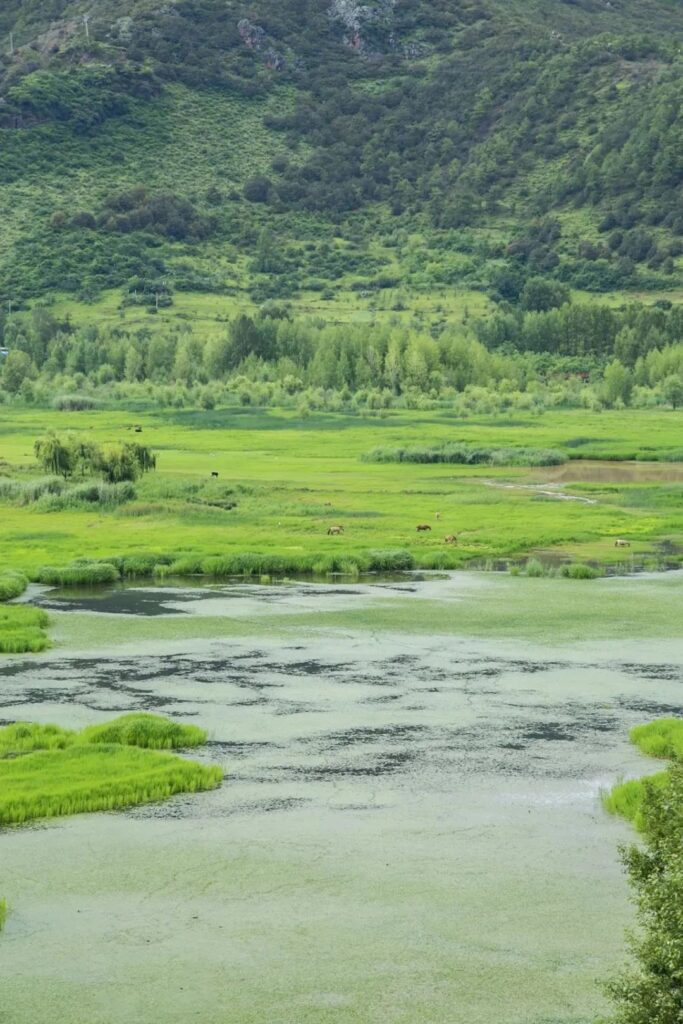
[[290, 478], [47, 772]]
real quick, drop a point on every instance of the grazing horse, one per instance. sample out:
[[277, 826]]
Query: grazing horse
[[335, 531], [423, 527], [622, 543], [138, 430], [214, 473], [450, 539]]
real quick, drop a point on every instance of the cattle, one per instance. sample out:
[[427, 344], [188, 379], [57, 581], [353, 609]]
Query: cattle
[[450, 539], [214, 473], [622, 543], [423, 528], [335, 531]]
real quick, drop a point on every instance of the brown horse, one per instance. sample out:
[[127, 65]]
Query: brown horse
[[450, 539], [335, 531], [423, 527]]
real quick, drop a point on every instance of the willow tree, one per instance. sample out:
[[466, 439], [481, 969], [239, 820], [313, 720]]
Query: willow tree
[[650, 989]]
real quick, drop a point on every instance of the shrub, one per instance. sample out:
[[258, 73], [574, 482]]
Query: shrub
[[534, 568]]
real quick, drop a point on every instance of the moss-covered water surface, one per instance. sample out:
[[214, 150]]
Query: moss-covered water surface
[[411, 827]]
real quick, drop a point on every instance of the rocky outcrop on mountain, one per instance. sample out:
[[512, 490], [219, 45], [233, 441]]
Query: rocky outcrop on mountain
[[368, 27]]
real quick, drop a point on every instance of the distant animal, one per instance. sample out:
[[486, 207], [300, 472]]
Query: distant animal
[[138, 430], [450, 539], [622, 543], [335, 531], [437, 515], [214, 473], [423, 527], [328, 504]]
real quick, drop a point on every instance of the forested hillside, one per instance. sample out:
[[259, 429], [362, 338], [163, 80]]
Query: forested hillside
[[388, 156]]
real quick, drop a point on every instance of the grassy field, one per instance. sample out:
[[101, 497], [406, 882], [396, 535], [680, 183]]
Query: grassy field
[[289, 479], [662, 739]]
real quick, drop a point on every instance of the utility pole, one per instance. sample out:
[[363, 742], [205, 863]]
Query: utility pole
[[86, 19]]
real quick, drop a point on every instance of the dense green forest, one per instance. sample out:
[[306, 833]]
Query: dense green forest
[[277, 150]]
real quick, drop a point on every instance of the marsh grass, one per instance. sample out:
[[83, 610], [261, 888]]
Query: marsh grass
[[12, 584], [144, 730], [3, 913], [46, 771], [94, 777], [468, 455], [78, 573], [626, 798], [579, 571], [662, 738], [22, 629], [25, 737]]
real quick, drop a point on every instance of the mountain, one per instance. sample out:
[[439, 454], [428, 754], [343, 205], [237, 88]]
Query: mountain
[[283, 148]]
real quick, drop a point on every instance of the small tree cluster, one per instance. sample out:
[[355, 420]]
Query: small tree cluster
[[69, 455]]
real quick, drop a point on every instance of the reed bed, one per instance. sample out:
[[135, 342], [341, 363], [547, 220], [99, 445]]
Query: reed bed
[[95, 777], [468, 455]]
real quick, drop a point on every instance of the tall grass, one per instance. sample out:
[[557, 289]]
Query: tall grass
[[27, 492], [579, 571], [144, 730], [25, 737], [12, 584], [94, 777], [626, 798], [80, 572], [22, 629], [3, 913], [662, 738], [468, 455], [83, 495]]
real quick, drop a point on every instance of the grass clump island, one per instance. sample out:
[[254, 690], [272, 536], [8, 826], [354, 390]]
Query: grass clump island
[[662, 738], [46, 771]]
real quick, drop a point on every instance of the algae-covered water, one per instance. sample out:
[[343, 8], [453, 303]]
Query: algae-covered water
[[410, 830]]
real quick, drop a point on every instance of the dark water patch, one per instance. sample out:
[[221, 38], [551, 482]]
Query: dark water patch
[[370, 734], [549, 731], [146, 604], [665, 673]]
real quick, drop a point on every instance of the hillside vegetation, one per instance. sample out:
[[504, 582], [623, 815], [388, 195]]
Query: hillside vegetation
[[309, 150]]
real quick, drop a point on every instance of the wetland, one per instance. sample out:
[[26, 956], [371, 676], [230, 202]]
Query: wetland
[[410, 826]]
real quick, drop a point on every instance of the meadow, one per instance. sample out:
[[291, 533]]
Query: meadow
[[252, 492], [47, 772]]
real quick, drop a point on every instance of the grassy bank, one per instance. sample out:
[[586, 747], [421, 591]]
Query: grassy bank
[[46, 771]]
